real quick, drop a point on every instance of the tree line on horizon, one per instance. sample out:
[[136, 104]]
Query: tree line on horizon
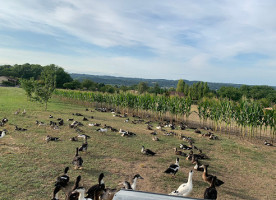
[[265, 94]]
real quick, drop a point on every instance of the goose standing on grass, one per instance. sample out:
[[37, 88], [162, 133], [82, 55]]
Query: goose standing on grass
[[55, 194], [208, 177], [24, 112], [185, 189], [96, 188], [63, 180], [77, 161], [147, 151], [73, 195], [211, 192], [173, 168], [2, 133]]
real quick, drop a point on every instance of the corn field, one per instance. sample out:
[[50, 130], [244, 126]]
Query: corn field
[[155, 105], [248, 118]]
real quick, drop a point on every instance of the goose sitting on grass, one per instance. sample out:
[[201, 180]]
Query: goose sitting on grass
[[211, 192], [132, 186], [180, 153], [198, 166], [173, 168], [208, 177], [49, 138], [147, 151], [267, 144], [185, 189]]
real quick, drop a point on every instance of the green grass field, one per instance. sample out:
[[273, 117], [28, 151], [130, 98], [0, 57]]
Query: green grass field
[[29, 165]]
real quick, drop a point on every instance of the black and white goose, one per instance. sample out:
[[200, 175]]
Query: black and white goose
[[267, 144], [134, 181], [77, 161], [63, 180], [49, 138], [184, 147], [72, 194], [55, 193], [96, 188], [147, 151], [20, 129], [173, 168], [84, 146], [3, 133]]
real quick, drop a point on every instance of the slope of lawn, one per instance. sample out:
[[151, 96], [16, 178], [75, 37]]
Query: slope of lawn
[[29, 165]]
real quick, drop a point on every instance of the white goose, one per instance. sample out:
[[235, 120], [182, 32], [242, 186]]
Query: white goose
[[185, 189]]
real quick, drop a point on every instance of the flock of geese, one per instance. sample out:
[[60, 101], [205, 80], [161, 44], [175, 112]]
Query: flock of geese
[[99, 191]]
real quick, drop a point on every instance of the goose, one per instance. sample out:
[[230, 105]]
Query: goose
[[4, 120], [40, 123], [149, 127], [153, 133], [63, 180], [113, 129], [81, 191], [83, 136], [61, 122], [134, 181], [20, 129], [185, 189], [127, 120], [77, 161], [51, 116], [180, 153], [94, 124], [154, 138], [121, 131], [108, 194], [198, 166], [2, 133], [267, 144], [84, 119], [74, 139], [55, 193], [100, 186], [204, 156], [184, 147], [102, 130], [208, 177], [147, 151], [84, 146], [213, 137], [126, 185], [173, 168], [17, 112], [50, 138], [24, 112], [73, 195], [197, 131], [211, 192]]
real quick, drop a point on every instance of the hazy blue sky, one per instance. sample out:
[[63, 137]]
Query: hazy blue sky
[[209, 40]]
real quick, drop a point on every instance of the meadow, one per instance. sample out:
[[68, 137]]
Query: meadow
[[29, 165]]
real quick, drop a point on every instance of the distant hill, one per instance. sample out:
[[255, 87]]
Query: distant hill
[[113, 80]]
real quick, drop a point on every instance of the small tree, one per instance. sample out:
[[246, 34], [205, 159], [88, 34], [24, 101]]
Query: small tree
[[28, 86], [45, 87], [180, 86], [142, 87]]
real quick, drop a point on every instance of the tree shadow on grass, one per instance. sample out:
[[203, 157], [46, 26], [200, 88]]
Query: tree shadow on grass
[[239, 194]]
